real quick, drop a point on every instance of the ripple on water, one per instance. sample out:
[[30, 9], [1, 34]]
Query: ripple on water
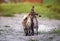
[[11, 29]]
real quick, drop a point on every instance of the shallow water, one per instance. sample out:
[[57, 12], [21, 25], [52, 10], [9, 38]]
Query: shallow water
[[11, 29]]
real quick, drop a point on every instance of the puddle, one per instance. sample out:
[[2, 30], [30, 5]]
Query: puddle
[[11, 29]]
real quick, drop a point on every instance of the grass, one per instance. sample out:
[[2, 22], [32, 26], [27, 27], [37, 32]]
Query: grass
[[11, 9], [57, 31], [50, 11]]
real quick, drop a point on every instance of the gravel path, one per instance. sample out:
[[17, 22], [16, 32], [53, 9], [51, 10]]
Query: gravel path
[[11, 29]]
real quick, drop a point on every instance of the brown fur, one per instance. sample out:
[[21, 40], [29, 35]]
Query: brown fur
[[29, 30]]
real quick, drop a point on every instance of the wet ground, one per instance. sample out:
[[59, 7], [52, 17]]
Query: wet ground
[[11, 29]]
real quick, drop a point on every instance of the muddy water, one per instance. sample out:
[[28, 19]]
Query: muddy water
[[11, 29]]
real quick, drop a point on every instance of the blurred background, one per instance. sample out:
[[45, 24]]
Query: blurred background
[[13, 11], [47, 8]]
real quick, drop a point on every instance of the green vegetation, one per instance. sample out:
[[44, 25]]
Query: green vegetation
[[11, 8], [50, 11], [57, 31]]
